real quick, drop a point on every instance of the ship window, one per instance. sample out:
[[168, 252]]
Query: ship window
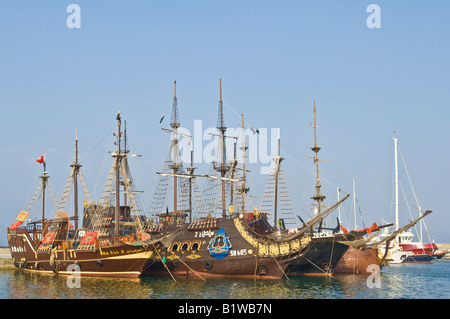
[[174, 246], [195, 246], [185, 246]]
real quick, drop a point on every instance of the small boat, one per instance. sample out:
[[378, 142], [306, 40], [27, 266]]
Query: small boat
[[399, 247], [418, 258]]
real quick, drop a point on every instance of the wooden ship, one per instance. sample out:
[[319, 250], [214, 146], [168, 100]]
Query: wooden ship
[[226, 240], [111, 241]]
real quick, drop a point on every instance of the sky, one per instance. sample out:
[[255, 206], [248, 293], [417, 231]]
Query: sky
[[274, 58]]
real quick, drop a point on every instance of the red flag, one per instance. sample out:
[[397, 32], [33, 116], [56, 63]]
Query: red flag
[[40, 160]]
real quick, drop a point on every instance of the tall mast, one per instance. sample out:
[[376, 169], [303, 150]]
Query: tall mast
[[223, 167], [233, 169], [396, 183], [44, 179], [318, 198], [118, 160], [176, 165], [191, 172], [354, 204], [76, 171], [244, 189], [278, 160]]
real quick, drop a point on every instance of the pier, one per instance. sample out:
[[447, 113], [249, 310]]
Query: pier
[[6, 262]]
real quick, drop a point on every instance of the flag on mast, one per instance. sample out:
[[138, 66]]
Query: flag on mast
[[40, 160]]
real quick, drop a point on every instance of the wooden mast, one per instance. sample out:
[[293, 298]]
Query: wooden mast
[[396, 183], [118, 157], [191, 173], [244, 189], [76, 169], [278, 160], [223, 167], [44, 178], [175, 166], [318, 198]]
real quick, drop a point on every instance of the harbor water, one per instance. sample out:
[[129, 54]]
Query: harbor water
[[406, 281]]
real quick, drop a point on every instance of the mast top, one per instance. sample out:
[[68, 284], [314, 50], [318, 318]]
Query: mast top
[[175, 118], [220, 124]]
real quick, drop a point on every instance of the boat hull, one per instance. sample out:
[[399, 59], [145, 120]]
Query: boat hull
[[357, 261], [120, 260], [194, 253], [321, 258], [418, 258]]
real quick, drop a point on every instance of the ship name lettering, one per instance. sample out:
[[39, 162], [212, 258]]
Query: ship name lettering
[[205, 233]]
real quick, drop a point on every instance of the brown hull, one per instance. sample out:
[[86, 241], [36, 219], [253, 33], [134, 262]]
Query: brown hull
[[356, 261], [191, 254], [119, 260]]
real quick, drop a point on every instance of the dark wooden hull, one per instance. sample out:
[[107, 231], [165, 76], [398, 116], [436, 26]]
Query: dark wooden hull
[[116, 260], [191, 253], [356, 261], [321, 258]]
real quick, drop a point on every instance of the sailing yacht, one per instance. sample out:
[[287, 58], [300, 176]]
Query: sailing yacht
[[398, 247]]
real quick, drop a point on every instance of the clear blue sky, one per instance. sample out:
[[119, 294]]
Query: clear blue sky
[[274, 57]]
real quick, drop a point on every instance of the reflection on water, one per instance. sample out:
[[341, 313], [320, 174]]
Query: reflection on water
[[402, 281]]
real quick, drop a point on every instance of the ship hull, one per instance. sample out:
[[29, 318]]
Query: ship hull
[[119, 260], [418, 258], [193, 253], [357, 261], [320, 259], [418, 248]]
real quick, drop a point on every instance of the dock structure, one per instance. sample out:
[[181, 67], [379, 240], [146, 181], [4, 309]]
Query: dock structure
[[6, 262]]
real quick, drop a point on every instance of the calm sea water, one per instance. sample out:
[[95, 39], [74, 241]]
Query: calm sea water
[[411, 281]]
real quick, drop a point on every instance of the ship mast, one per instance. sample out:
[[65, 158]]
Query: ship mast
[[244, 190], [44, 177], [396, 182], [118, 157], [318, 197], [278, 160], [191, 173], [223, 168], [76, 169], [176, 165]]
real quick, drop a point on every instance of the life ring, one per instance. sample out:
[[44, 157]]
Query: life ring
[[208, 265], [176, 264]]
